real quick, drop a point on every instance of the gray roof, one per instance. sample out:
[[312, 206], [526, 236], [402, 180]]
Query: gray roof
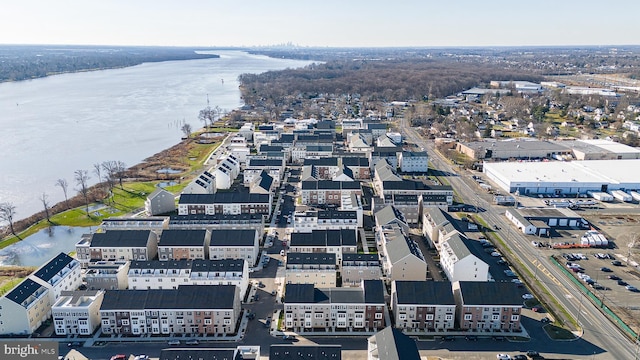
[[389, 214], [330, 185], [461, 246], [294, 258], [120, 238], [372, 293], [197, 354], [22, 292], [337, 214], [355, 161], [516, 214], [253, 162], [414, 154], [489, 293], [392, 344], [304, 352], [328, 161], [233, 237], [424, 293], [53, 267], [184, 297], [201, 265], [438, 216], [182, 238], [405, 184], [224, 198], [402, 246], [342, 237], [369, 258], [385, 172]]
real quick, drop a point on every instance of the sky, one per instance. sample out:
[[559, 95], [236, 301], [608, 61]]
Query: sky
[[321, 23]]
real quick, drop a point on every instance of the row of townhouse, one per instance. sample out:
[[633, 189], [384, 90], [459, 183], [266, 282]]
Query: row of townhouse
[[329, 168], [226, 171], [401, 256], [28, 304], [225, 203], [195, 309], [332, 219], [173, 244], [326, 192], [255, 166], [309, 309], [310, 151], [336, 242], [428, 306], [321, 269]]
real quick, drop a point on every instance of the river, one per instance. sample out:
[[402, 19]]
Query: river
[[52, 126], [42, 246]]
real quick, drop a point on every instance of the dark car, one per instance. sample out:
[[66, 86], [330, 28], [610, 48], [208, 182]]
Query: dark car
[[533, 354], [616, 263], [605, 269], [614, 277], [471, 338], [499, 338], [448, 338], [496, 227], [74, 344], [622, 282], [519, 357]]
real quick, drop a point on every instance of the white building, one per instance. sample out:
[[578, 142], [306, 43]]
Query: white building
[[62, 273], [205, 183], [171, 274], [160, 202], [24, 308], [77, 312], [235, 244], [414, 161], [402, 259], [318, 269], [309, 220], [461, 262]]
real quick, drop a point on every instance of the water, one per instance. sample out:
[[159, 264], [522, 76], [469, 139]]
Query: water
[[56, 125], [40, 247]]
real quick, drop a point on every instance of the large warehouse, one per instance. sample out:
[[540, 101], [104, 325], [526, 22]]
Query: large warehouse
[[565, 177]]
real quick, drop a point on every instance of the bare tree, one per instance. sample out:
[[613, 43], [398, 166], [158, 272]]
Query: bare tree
[[96, 170], [186, 130], [45, 202], [82, 177], [110, 173], [121, 169], [64, 186], [7, 212], [207, 116]]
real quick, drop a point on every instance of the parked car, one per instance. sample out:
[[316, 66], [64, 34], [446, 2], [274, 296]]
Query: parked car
[[510, 273], [605, 269], [545, 320], [622, 282], [174, 342], [496, 254], [533, 354], [74, 344], [471, 338], [616, 263], [614, 277], [503, 357], [119, 357], [631, 288], [520, 357], [192, 342], [527, 296], [267, 322], [501, 262]]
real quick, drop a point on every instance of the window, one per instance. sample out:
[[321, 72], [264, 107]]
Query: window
[[429, 317], [317, 315], [378, 316], [495, 317], [515, 317], [207, 321], [468, 316], [448, 317], [402, 317], [125, 321], [227, 321]]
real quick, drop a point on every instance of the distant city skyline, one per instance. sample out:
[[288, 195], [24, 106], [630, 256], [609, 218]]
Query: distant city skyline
[[330, 23]]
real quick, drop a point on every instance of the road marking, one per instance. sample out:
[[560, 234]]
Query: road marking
[[544, 270]]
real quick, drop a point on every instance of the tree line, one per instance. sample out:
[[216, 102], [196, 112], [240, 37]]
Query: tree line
[[20, 62]]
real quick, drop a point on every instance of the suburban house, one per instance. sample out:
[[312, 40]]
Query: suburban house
[[336, 242], [487, 306], [196, 309], [336, 309], [391, 344], [107, 275], [461, 260], [357, 267], [414, 162], [332, 219], [318, 269], [183, 244], [232, 203], [115, 245], [423, 306], [205, 183], [160, 202], [77, 312], [235, 244], [155, 274], [305, 352], [323, 192], [402, 259], [24, 308]]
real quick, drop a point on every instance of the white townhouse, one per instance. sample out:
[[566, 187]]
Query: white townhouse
[[170, 274], [461, 260], [176, 244], [235, 244], [414, 161], [402, 259], [318, 269], [62, 273], [332, 219], [336, 242], [77, 312], [25, 308]]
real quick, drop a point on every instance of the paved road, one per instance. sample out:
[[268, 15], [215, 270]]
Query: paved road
[[601, 339]]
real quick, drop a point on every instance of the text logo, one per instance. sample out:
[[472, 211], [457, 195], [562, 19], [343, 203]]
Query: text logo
[[28, 350]]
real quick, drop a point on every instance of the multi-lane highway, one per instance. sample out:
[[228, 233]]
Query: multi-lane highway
[[600, 338]]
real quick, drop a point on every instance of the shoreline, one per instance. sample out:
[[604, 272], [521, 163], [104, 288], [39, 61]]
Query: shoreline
[[97, 194]]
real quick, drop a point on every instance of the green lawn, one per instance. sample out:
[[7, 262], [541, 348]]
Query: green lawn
[[9, 285]]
